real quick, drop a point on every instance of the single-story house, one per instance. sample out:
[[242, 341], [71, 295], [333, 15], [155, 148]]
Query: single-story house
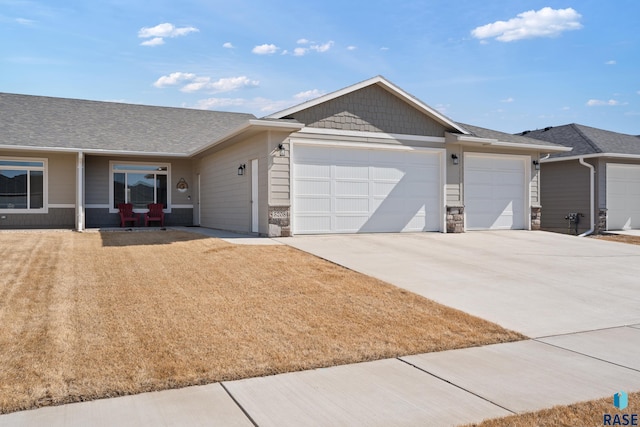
[[367, 158], [599, 178]]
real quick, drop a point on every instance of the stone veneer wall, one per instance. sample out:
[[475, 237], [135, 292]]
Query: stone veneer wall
[[536, 217], [601, 221], [455, 219], [279, 221]]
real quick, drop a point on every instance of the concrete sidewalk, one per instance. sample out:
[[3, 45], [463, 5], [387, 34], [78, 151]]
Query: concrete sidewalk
[[447, 388]]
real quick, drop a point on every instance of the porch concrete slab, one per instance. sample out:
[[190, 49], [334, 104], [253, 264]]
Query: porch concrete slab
[[380, 393], [229, 236], [528, 375], [537, 283], [618, 345], [194, 406], [635, 326]]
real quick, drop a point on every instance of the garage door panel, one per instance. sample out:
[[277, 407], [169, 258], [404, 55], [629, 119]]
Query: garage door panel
[[313, 204], [623, 196], [348, 188], [494, 192], [314, 170], [315, 187], [352, 205], [370, 191]]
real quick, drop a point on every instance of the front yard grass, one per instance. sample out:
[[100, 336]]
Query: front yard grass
[[584, 414], [93, 315], [634, 240]]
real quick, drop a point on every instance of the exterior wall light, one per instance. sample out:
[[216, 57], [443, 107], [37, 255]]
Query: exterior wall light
[[282, 150], [241, 169], [536, 165], [454, 159]]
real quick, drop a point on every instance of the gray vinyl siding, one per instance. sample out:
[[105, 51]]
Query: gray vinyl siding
[[61, 184], [564, 189], [454, 177], [371, 109], [226, 197], [96, 175], [279, 170]]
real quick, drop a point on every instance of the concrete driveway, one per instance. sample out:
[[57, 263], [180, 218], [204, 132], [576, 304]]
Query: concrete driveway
[[536, 283]]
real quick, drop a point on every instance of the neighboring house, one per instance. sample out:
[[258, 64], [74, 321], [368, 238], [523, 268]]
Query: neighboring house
[[612, 202], [367, 158]]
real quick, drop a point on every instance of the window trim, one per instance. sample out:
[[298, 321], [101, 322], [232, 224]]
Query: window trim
[[112, 164], [45, 183]]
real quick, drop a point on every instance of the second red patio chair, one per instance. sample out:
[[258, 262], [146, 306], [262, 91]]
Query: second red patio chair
[[155, 214]]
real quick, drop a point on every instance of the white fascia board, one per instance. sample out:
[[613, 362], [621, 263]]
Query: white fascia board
[[367, 145], [90, 151], [374, 80], [496, 143], [591, 156], [372, 135], [544, 148], [266, 124]]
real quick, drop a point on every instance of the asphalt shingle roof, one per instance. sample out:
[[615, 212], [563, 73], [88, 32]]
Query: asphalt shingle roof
[[40, 121], [504, 137], [587, 140]]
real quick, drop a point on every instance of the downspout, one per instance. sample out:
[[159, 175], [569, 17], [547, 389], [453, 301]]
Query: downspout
[[80, 191], [592, 216]]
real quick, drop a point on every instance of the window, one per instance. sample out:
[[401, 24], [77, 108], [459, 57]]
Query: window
[[23, 185], [139, 184]]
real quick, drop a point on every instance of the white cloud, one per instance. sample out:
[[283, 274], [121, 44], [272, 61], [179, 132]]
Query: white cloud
[[228, 45], [546, 22], [214, 103], [265, 49], [23, 21], [302, 41], [322, 47], [384, 48], [174, 79], [158, 33], [300, 51], [612, 62], [508, 100], [195, 83], [308, 94], [600, 103], [156, 41], [351, 47]]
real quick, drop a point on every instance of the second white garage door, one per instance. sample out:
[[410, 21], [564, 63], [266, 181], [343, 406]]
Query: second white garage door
[[352, 190], [494, 192], [623, 196]]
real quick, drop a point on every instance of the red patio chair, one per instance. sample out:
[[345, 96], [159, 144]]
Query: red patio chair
[[155, 214], [127, 215]]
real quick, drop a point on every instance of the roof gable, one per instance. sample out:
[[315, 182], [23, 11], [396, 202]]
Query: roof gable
[[374, 105]]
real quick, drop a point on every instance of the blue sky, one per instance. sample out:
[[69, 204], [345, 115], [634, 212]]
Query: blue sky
[[508, 65]]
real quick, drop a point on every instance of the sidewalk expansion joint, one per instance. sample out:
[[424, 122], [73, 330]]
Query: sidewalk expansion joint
[[586, 355], [583, 332], [457, 386], [244, 411]]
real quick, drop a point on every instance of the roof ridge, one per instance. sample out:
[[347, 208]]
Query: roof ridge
[[586, 138]]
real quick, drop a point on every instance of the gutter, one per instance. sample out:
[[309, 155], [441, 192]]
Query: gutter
[[592, 215]]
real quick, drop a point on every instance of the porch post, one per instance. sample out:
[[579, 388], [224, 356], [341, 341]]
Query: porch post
[[80, 191]]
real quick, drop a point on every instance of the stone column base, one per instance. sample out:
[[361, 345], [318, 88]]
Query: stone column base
[[536, 217], [279, 221], [601, 221], [455, 219]]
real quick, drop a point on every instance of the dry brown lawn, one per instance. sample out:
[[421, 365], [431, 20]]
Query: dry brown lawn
[[580, 414], [92, 315], [634, 240]]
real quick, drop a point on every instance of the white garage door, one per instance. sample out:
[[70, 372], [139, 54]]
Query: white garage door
[[623, 196], [494, 192], [353, 190]]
